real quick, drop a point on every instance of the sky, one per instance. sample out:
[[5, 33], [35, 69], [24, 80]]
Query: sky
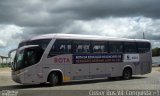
[[24, 19]]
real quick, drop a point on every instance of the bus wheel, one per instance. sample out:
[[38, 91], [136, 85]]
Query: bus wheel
[[127, 74], [53, 79]]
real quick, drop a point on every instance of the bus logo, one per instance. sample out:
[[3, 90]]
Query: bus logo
[[131, 57], [128, 57]]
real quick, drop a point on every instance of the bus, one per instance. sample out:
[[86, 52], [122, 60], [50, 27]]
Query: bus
[[58, 58]]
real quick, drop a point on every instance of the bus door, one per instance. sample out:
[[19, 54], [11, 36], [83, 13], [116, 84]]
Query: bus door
[[33, 74], [33, 70]]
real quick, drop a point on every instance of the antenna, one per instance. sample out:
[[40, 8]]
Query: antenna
[[143, 35]]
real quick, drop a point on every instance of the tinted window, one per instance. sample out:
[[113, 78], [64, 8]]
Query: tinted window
[[115, 47], [143, 47], [61, 47], [27, 57], [43, 43], [130, 47], [81, 46], [99, 46]]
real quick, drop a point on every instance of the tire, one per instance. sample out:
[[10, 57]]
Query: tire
[[127, 74], [53, 79]]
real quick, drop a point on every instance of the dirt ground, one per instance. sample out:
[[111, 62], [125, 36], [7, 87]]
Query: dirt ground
[[7, 69], [155, 69]]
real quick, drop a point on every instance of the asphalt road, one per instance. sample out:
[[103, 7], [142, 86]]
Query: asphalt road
[[141, 82]]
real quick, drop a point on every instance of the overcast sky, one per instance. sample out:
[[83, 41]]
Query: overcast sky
[[23, 19]]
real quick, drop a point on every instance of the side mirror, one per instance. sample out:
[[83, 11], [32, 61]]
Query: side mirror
[[9, 53]]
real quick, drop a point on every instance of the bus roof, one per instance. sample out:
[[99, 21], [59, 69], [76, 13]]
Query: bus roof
[[84, 37]]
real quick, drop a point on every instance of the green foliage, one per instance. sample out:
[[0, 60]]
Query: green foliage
[[156, 52], [4, 65]]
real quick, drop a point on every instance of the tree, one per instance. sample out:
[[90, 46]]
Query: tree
[[156, 52]]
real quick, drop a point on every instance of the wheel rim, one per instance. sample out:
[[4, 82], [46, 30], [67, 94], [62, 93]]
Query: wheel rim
[[55, 79]]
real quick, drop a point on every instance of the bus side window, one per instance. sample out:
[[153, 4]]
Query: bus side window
[[130, 47], [99, 47], [60, 47], [143, 47], [115, 47], [81, 46]]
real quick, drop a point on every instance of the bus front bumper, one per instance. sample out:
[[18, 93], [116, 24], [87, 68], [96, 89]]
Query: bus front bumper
[[16, 77]]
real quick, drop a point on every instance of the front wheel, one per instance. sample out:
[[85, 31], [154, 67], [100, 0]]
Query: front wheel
[[53, 79], [127, 74]]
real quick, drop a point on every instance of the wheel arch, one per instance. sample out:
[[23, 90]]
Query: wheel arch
[[127, 67], [58, 72]]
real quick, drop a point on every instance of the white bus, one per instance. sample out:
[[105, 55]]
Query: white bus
[[57, 58]]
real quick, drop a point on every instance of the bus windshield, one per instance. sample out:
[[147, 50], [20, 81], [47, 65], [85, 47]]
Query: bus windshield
[[27, 57], [30, 56]]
